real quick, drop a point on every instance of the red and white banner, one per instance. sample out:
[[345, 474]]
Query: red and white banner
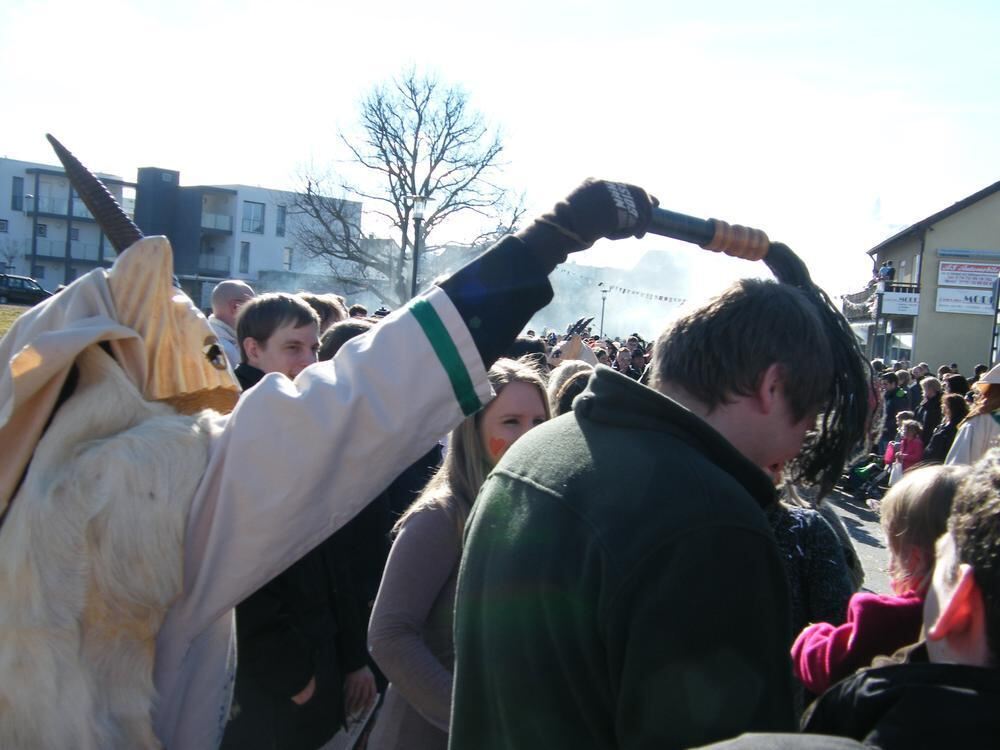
[[976, 275]]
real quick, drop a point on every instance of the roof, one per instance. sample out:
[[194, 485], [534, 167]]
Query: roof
[[935, 218]]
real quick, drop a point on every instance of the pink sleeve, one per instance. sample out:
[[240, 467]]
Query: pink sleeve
[[823, 654], [819, 653]]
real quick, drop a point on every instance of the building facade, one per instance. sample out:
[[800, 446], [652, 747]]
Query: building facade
[[45, 230], [217, 231], [939, 306]]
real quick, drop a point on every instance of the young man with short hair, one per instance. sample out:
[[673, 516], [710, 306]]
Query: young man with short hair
[[896, 400], [277, 333], [588, 617], [302, 636]]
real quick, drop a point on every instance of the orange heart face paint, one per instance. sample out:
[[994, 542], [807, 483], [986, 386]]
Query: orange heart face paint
[[497, 446], [515, 410]]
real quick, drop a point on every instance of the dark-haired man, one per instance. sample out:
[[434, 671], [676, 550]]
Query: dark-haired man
[[588, 617], [896, 400], [302, 669], [277, 333]]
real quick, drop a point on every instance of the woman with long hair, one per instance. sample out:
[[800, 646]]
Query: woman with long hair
[[953, 411], [980, 430], [410, 634]]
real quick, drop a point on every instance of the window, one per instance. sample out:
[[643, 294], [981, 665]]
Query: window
[[17, 194], [244, 257], [38, 272], [279, 229], [3, 225], [74, 233], [42, 230], [253, 217], [287, 258]]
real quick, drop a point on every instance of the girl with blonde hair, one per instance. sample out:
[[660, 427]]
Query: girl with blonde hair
[[914, 514], [410, 634]]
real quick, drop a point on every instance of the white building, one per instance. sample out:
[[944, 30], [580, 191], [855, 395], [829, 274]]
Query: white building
[[217, 231], [44, 231]]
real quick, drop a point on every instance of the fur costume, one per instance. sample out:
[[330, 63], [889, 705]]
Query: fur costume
[[91, 543], [89, 561]]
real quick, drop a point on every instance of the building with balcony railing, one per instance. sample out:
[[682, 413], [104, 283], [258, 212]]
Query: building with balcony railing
[[45, 230], [216, 231], [941, 305]]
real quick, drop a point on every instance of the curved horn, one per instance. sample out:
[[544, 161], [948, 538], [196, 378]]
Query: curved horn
[[114, 222]]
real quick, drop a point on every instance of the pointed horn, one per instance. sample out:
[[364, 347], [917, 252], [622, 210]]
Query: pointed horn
[[112, 219]]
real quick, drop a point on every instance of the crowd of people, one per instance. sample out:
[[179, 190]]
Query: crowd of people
[[436, 533], [409, 599]]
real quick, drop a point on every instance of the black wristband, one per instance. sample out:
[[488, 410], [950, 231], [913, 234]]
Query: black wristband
[[497, 293]]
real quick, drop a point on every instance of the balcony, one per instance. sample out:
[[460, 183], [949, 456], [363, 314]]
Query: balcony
[[217, 222], [900, 287], [87, 251], [56, 206], [213, 264], [45, 204]]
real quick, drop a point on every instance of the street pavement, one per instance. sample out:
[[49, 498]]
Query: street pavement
[[869, 541]]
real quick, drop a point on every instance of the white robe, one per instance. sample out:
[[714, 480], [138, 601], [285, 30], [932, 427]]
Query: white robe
[[974, 438], [289, 466]]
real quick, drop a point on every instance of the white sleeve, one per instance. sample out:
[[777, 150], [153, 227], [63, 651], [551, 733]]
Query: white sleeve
[[960, 450], [297, 460]]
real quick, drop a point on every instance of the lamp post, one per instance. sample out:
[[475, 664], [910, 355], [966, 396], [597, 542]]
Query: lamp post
[[604, 299], [419, 204]]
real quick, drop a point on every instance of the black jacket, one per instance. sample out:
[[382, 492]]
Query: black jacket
[[595, 615], [304, 624], [895, 401], [308, 623], [917, 704], [928, 413], [937, 447]]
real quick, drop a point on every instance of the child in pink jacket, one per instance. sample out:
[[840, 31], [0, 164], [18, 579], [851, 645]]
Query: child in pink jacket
[[914, 514]]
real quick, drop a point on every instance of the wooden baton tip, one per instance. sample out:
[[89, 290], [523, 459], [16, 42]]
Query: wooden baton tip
[[738, 241]]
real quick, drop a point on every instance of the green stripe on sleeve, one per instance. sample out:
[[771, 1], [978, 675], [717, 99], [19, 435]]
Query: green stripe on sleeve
[[447, 354]]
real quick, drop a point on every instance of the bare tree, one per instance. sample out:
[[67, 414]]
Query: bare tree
[[418, 138], [10, 250]]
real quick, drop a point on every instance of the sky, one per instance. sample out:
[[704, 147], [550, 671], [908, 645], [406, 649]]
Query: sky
[[829, 125]]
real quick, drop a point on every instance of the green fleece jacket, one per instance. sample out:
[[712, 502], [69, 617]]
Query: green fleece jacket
[[620, 586]]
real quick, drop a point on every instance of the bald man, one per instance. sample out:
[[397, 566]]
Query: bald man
[[227, 299]]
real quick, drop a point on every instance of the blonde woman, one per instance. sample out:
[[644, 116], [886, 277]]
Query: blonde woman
[[410, 635]]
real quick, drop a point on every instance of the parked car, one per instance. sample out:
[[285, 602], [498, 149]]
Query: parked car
[[20, 290]]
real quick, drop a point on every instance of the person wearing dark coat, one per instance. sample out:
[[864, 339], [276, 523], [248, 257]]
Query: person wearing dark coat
[[954, 411], [301, 637], [943, 692], [928, 411], [896, 400], [591, 617]]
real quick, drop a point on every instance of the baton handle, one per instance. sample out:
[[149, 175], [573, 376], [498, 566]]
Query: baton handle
[[711, 234]]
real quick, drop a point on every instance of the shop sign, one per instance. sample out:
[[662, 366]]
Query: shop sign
[[957, 273], [900, 303], [968, 301]]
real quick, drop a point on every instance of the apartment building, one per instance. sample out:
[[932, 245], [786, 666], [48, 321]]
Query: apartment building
[[45, 230], [217, 231]]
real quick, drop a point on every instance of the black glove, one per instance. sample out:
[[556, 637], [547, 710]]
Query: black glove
[[579, 327], [596, 209]]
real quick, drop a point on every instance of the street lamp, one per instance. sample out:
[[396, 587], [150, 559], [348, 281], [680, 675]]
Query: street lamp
[[419, 204], [604, 298]]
